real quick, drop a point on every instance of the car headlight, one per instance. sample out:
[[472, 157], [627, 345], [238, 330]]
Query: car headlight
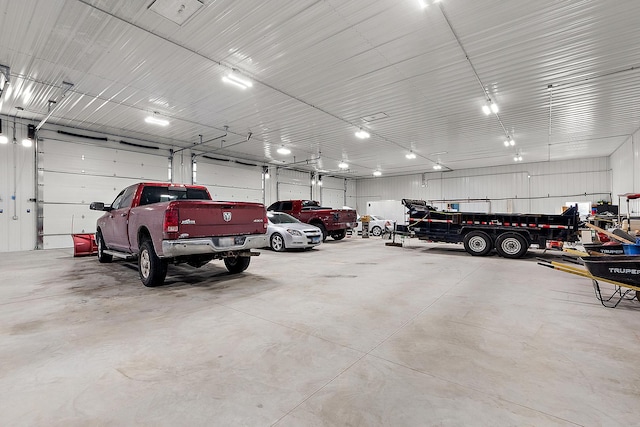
[[294, 232]]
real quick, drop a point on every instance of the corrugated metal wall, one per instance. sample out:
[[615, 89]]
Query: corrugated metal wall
[[534, 187], [17, 189]]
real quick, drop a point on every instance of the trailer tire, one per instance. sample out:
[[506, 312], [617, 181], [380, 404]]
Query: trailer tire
[[477, 243], [511, 245]]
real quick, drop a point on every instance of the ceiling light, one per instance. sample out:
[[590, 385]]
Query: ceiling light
[[509, 142], [517, 158], [377, 173], [235, 79], [423, 4], [284, 150], [155, 120], [410, 155], [343, 165], [489, 108], [437, 166], [27, 142], [362, 134], [4, 139]]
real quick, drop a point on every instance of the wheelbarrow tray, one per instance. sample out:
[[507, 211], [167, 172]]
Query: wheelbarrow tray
[[617, 268]]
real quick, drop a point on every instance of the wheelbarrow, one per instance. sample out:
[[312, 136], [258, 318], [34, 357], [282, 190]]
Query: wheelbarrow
[[623, 272]]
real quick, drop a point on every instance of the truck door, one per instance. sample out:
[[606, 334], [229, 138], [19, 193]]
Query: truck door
[[115, 232]]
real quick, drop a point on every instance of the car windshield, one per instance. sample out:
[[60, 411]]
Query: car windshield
[[281, 218]]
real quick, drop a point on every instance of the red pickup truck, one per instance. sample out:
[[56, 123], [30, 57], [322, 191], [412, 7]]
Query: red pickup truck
[[162, 223], [332, 222]]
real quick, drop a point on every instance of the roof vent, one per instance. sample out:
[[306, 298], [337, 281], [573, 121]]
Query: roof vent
[[177, 11], [376, 116]]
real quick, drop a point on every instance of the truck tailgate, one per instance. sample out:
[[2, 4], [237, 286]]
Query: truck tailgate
[[203, 218]]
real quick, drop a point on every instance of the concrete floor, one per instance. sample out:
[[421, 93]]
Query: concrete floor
[[353, 333]]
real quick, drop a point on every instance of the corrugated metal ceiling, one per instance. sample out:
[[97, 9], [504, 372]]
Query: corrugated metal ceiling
[[320, 66]]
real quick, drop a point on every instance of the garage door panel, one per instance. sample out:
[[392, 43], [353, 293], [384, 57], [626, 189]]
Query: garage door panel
[[68, 218], [293, 191], [234, 194], [226, 176], [66, 188], [332, 197]]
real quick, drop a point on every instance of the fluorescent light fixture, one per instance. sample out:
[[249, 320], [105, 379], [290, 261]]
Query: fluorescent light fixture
[[362, 134], [377, 173], [410, 155], [234, 79], [155, 120], [343, 165], [437, 166], [509, 142], [27, 142], [284, 151], [486, 109]]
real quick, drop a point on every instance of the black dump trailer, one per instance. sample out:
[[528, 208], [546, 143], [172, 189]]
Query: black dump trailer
[[510, 234]]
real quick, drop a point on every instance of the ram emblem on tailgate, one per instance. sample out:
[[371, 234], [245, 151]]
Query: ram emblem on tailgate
[[188, 222], [226, 216]]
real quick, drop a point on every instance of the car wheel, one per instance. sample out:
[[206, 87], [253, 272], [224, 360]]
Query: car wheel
[[102, 257], [237, 264], [376, 231], [478, 243], [511, 245], [277, 242], [152, 269]]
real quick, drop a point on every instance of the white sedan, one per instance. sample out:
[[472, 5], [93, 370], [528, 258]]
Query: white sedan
[[377, 225], [286, 232]]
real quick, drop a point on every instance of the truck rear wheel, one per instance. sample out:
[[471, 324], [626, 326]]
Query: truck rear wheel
[[339, 235], [152, 269], [478, 243], [237, 264], [511, 245]]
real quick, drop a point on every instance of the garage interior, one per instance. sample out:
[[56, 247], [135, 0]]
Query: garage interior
[[485, 106]]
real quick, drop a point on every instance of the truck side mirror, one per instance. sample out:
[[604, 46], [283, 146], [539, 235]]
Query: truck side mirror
[[99, 206]]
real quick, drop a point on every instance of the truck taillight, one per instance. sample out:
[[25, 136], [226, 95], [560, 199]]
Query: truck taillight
[[171, 221]]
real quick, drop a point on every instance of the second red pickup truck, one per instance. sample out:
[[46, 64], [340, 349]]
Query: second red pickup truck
[[162, 223], [332, 222]]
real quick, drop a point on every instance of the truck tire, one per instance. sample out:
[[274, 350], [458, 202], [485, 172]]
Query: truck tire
[[339, 235], [477, 243], [511, 245], [277, 243], [102, 257], [152, 269], [376, 231], [322, 228], [238, 264]]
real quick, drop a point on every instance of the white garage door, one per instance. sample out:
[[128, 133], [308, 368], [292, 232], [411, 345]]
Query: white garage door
[[231, 182], [74, 174], [333, 192], [293, 185]]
